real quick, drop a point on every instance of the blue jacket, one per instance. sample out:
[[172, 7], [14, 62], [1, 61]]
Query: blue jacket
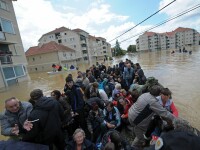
[[128, 74]]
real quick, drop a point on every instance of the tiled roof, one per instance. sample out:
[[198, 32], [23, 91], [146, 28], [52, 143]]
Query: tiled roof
[[181, 29], [149, 33], [92, 37], [57, 30], [101, 38], [46, 48], [79, 30]]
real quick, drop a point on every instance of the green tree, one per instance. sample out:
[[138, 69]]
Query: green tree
[[131, 48], [118, 50]]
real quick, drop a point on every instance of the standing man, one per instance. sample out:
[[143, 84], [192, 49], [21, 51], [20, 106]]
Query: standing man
[[75, 98], [128, 74], [142, 111], [46, 118], [14, 117]]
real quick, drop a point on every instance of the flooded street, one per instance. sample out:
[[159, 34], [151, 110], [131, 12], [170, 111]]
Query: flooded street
[[179, 72]]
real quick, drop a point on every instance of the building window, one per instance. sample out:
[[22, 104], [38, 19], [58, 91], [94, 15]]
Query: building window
[[85, 58], [7, 26], [74, 46], [3, 5], [59, 41], [65, 33], [35, 69], [33, 59]]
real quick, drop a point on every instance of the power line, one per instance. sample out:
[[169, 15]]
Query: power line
[[170, 19], [143, 20]]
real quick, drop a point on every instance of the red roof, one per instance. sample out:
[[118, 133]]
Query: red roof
[[149, 33], [180, 29], [78, 30], [57, 30], [46, 48]]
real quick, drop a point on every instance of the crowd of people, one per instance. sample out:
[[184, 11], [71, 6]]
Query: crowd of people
[[94, 108]]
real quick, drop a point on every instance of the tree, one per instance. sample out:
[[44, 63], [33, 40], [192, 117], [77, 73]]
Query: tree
[[118, 50], [131, 48]]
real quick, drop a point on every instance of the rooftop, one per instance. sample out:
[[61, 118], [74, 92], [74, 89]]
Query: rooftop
[[47, 48]]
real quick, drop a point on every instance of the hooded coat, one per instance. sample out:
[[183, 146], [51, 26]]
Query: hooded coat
[[48, 129]]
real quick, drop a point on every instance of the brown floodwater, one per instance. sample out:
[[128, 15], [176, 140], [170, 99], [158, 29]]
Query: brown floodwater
[[179, 72]]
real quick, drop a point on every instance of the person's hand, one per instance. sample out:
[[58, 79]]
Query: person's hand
[[109, 125], [28, 125], [15, 130], [123, 116], [76, 114]]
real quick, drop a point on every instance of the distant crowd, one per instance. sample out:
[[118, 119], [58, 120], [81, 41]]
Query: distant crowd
[[94, 109]]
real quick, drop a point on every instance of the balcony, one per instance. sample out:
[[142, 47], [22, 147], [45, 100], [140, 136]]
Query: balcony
[[4, 53], [2, 36], [83, 42], [6, 59], [84, 48]]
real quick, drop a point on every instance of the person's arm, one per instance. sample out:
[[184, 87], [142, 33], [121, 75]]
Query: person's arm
[[89, 124], [174, 110], [159, 110], [118, 117], [6, 127]]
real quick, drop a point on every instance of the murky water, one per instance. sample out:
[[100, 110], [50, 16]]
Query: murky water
[[179, 72]]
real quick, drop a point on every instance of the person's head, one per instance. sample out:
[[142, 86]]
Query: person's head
[[79, 136], [109, 146], [56, 94], [135, 94], [109, 106], [95, 85], [165, 94], [84, 75], [137, 66], [123, 91], [69, 81], [128, 65], [36, 94], [116, 139], [119, 79], [79, 74], [70, 75], [118, 86], [122, 101], [155, 90], [95, 106], [12, 104], [89, 73]]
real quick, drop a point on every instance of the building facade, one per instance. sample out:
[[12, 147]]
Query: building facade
[[87, 48], [41, 58], [177, 39], [12, 57]]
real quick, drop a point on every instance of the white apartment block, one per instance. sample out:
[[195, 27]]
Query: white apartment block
[[179, 38], [13, 64], [86, 48], [99, 49]]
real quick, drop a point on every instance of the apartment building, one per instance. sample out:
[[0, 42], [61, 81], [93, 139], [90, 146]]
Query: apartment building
[[179, 38], [99, 49], [12, 57], [86, 47], [41, 58]]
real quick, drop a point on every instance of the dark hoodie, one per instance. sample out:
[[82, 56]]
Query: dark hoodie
[[48, 129]]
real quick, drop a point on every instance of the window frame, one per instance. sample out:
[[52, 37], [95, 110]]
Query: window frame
[[3, 30]]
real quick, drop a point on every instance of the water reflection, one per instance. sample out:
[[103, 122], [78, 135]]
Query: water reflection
[[179, 72]]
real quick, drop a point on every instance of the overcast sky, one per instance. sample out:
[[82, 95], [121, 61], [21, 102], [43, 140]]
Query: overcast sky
[[105, 18]]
